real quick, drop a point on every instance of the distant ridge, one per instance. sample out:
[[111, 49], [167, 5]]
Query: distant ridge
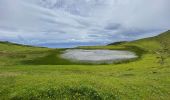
[[118, 43], [17, 44], [165, 36]]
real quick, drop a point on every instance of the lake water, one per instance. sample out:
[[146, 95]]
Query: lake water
[[97, 56]]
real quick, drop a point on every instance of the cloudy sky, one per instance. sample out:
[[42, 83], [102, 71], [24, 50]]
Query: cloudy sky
[[55, 23]]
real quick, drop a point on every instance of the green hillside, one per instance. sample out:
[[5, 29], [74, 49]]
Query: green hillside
[[34, 73]]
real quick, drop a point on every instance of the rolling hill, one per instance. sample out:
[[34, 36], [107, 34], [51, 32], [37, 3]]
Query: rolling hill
[[35, 73]]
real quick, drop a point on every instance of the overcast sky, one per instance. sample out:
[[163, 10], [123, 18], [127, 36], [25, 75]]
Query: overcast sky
[[78, 22]]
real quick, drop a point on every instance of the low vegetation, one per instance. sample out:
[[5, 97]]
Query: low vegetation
[[34, 73]]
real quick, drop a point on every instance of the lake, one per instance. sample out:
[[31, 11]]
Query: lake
[[97, 56]]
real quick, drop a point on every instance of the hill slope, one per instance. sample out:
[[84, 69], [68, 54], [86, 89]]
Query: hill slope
[[153, 43]]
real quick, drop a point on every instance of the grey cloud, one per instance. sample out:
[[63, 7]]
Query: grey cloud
[[98, 21]]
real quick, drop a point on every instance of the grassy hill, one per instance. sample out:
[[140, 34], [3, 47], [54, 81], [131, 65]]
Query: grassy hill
[[34, 73]]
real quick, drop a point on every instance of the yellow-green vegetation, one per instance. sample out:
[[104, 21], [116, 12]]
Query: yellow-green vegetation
[[32, 73]]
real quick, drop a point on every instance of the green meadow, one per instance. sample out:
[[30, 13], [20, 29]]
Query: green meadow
[[37, 73]]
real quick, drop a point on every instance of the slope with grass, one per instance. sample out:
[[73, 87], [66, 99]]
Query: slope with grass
[[33, 73]]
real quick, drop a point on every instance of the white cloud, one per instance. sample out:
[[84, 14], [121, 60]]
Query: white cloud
[[99, 21]]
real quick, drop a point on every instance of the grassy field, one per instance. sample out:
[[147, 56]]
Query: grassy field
[[33, 73]]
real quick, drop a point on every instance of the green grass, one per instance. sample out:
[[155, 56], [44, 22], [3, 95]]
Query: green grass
[[33, 73]]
